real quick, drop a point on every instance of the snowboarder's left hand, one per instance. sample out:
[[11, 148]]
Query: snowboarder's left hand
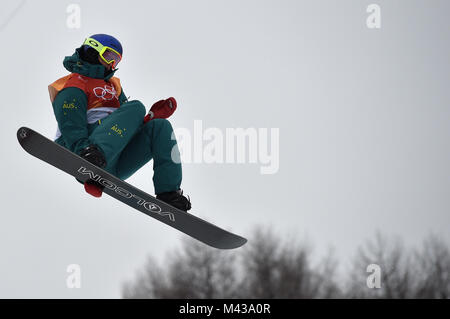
[[161, 109]]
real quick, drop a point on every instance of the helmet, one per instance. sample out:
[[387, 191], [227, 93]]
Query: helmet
[[108, 41], [108, 47]]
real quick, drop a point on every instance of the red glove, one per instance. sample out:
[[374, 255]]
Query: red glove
[[161, 109]]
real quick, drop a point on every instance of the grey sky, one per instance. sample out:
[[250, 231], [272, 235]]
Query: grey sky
[[363, 116]]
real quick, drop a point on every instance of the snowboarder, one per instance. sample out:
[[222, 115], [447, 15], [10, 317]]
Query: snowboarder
[[97, 122]]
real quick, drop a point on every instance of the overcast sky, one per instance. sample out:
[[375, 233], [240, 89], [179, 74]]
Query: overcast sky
[[363, 119]]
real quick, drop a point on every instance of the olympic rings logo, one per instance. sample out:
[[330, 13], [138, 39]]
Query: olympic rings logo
[[107, 93]]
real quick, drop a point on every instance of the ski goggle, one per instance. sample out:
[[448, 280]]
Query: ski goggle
[[107, 54]]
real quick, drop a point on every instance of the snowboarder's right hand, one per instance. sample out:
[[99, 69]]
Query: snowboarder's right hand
[[93, 155], [161, 109]]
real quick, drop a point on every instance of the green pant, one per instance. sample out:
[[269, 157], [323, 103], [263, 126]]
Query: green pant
[[128, 145]]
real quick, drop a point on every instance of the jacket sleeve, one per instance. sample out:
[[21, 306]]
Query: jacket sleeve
[[70, 107], [122, 98]]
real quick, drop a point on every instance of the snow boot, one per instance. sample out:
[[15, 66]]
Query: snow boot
[[176, 199]]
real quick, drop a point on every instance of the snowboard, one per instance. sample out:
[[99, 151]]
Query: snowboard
[[50, 152]]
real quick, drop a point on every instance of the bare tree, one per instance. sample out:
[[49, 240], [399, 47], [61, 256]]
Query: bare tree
[[269, 267], [266, 268], [197, 271], [405, 273], [276, 269], [432, 269], [149, 282], [393, 260]]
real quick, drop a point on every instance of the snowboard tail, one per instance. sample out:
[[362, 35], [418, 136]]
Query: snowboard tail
[[67, 161]]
